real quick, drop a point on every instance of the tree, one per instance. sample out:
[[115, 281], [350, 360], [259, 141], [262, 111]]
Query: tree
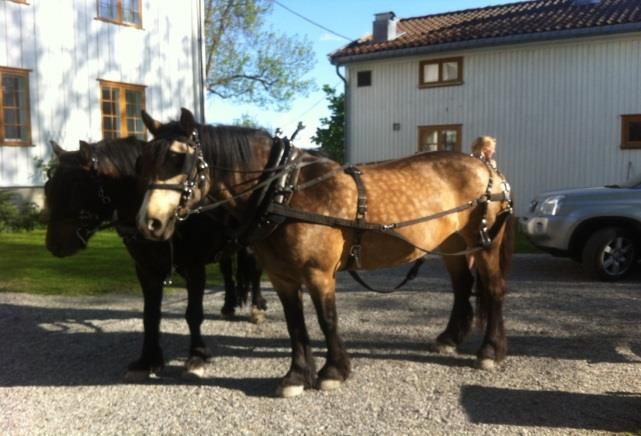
[[249, 63], [331, 135]]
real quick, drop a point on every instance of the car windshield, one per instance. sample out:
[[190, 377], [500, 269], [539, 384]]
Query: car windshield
[[632, 182]]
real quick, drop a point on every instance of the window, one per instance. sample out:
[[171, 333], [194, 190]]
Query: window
[[126, 12], [120, 105], [631, 131], [364, 78], [15, 118], [433, 138], [441, 72]]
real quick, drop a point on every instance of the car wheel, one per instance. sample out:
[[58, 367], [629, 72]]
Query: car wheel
[[609, 254]]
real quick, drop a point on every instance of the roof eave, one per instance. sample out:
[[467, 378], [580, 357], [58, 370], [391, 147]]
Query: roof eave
[[488, 42]]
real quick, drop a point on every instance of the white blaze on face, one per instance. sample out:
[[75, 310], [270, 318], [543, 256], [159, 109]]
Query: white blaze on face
[[161, 204]]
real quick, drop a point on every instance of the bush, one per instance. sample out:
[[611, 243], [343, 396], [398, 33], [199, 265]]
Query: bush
[[16, 215]]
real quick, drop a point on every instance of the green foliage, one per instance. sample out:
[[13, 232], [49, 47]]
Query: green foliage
[[248, 63], [246, 121], [16, 215], [331, 135]]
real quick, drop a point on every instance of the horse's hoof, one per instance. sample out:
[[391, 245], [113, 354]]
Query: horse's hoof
[[136, 376], [443, 348], [487, 364], [194, 368], [329, 385], [290, 391], [257, 316]]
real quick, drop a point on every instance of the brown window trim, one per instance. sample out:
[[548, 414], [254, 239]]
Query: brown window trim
[[28, 143], [440, 82], [22, 2], [119, 21], [121, 103], [426, 130], [625, 144]]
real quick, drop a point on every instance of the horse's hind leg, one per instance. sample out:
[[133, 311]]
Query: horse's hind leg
[[462, 315], [250, 271], [302, 372], [322, 288], [226, 268], [198, 351]]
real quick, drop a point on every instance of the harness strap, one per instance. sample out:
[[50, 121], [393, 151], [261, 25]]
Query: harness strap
[[361, 211], [411, 275]]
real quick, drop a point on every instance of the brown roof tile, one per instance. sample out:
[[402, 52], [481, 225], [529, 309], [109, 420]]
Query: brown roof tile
[[522, 18]]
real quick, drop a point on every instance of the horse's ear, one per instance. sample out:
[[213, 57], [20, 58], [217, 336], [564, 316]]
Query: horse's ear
[[86, 152], [152, 125], [57, 149], [187, 120]]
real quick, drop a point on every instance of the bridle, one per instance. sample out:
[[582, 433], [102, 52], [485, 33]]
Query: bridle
[[197, 176], [90, 221]]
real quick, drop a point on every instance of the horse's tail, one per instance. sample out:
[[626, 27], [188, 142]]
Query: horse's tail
[[507, 245], [506, 250]]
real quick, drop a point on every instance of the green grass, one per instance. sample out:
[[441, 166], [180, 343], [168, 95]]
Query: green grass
[[522, 245], [104, 267]]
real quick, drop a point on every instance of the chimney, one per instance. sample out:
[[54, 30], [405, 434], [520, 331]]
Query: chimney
[[385, 26]]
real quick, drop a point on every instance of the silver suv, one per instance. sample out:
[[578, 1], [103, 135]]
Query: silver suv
[[599, 227]]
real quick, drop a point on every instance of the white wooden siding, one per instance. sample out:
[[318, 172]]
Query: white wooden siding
[[555, 109], [67, 50]]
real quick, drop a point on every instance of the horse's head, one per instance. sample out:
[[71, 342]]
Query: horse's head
[[73, 199], [177, 173]]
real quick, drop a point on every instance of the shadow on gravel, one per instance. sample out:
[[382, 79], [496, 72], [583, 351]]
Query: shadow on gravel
[[615, 412], [69, 347]]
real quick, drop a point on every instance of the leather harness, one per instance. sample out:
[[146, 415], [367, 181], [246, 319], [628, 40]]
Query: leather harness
[[269, 206]]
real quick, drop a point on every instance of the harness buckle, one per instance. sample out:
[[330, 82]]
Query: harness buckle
[[486, 241], [355, 253]]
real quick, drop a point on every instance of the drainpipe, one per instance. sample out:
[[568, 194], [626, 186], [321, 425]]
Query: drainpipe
[[347, 145], [201, 66]]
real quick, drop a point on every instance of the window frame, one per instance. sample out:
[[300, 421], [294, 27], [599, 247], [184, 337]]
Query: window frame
[[440, 62], [122, 105], [424, 131], [23, 73], [22, 2], [625, 121], [119, 21]]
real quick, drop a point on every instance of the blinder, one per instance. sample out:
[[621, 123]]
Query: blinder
[[194, 166]]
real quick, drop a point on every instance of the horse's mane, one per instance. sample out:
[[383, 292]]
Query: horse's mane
[[223, 146], [121, 153]]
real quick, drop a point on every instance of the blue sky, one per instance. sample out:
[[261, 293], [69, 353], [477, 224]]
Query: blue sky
[[351, 18]]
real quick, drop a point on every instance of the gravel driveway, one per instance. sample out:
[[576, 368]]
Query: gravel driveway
[[574, 363]]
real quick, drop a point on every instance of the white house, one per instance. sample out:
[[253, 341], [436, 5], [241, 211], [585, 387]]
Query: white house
[[83, 69], [557, 82]]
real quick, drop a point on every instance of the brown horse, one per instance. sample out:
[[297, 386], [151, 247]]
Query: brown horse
[[303, 253]]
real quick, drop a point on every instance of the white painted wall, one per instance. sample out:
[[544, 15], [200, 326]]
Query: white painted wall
[[554, 107], [67, 50]]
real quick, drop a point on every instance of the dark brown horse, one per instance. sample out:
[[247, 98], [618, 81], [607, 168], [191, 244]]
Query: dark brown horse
[[301, 252], [88, 187]]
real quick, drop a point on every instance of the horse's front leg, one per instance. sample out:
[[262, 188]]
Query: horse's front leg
[[492, 289], [198, 351], [302, 372], [462, 315], [151, 359], [322, 287]]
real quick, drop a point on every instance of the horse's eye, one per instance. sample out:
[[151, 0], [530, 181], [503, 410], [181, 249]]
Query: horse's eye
[[176, 160]]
